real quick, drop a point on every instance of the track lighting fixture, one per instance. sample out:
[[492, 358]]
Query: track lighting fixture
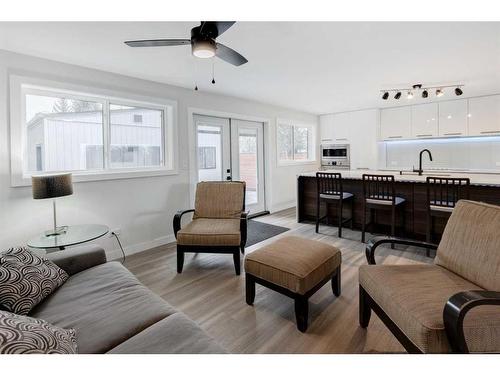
[[420, 90]]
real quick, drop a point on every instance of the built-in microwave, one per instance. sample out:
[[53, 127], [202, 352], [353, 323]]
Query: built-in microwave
[[335, 156]]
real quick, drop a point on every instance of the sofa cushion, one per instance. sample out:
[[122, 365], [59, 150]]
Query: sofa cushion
[[471, 242], [294, 263], [26, 279], [106, 305], [21, 334], [176, 334], [414, 296], [219, 200], [210, 232]]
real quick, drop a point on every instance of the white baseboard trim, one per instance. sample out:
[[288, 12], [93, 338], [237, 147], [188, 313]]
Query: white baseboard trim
[[116, 254], [282, 206]]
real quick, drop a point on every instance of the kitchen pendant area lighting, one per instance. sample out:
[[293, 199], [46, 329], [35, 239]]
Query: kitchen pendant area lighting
[[418, 90]]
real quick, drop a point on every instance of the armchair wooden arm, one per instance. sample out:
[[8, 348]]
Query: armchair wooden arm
[[377, 241], [457, 308], [243, 229], [177, 220]]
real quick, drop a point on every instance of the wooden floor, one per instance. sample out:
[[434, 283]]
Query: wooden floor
[[210, 293]]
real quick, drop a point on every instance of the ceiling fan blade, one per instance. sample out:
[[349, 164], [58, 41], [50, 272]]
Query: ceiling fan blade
[[215, 28], [229, 55], [157, 42]]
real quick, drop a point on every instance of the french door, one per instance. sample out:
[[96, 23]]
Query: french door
[[231, 149]]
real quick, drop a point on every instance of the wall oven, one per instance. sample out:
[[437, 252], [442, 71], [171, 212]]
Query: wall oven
[[335, 156]]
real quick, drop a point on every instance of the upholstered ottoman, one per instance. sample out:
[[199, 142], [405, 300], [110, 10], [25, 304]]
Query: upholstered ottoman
[[296, 267]]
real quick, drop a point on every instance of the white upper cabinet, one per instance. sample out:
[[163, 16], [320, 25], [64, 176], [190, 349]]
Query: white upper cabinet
[[453, 118], [326, 128], [424, 120], [395, 123], [484, 115], [342, 127]]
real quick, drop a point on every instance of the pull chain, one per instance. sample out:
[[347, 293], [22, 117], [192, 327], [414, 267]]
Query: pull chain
[[213, 70]]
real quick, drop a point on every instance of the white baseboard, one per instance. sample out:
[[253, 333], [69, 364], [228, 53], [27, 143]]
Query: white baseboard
[[116, 253], [282, 206]]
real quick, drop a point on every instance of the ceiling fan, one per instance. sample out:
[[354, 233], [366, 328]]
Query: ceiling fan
[[203, 42]]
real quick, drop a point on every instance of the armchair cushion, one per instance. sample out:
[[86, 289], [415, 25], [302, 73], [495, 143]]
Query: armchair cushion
[[219, 200], [471, 242], [414, 296], [210, 232]]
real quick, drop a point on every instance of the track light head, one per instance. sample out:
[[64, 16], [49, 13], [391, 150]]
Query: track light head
[[439, 93], [425, 94], [385, 96], [398, 95], [409, 95], [458, 91]]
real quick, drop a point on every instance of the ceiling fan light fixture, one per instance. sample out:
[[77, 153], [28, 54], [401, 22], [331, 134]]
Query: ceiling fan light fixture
[[204, 49]]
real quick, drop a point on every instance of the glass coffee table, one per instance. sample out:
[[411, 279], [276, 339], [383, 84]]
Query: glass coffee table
[[74, 235]]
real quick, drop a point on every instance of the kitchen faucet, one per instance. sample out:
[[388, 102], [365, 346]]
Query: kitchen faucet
[[420, 170]]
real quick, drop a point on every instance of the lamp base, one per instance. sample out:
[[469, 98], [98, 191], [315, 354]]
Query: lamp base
[[56, 232]]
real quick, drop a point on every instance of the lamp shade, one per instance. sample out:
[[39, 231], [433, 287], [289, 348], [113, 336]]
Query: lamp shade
[[52, 186]]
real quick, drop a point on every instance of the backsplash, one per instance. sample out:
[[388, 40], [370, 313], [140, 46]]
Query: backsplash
[[478, 153]]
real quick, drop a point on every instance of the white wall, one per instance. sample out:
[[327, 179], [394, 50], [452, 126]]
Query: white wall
[[142, 207]]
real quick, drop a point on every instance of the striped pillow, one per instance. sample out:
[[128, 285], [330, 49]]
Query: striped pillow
[[26, 279], [25, 335]]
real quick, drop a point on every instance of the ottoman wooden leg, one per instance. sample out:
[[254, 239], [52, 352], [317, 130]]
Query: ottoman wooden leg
[[336, 285], [301, 312], [250, 288]]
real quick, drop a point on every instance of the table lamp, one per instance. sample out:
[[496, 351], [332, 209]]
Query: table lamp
[[52, 186]]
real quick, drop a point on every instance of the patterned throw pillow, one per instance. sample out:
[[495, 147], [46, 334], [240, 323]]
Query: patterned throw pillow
[[25, 335], [26, 279]]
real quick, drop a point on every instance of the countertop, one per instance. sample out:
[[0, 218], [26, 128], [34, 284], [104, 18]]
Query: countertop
[[481, 179]]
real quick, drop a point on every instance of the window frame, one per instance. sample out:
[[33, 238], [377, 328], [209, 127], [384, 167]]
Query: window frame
[[311, 143], [20, 86]]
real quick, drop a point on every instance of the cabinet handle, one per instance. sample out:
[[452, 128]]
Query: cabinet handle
[[424, 135], [341, 139], [326, 139], [452, 133], [395, 136], [490, 132]]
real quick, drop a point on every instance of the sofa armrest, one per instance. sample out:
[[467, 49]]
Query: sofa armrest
[[377, 241], [74, 260], [177, 220], [457, 308]]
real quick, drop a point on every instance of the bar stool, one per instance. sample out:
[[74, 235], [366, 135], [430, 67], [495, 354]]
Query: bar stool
[[330, 191], [442, 195], [379, 194]]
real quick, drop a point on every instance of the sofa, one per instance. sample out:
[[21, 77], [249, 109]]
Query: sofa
[[114, 313]]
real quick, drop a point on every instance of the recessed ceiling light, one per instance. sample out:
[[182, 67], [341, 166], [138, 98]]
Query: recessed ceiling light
[[439, 93]]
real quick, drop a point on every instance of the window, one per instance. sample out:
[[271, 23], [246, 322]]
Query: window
[[87, 134], [207, 157], [295, 143]]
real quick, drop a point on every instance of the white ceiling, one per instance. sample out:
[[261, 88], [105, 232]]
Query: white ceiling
[[318, 67]]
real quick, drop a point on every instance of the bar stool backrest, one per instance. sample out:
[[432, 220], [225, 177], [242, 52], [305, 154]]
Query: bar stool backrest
[[329, 184], [446, 192], [379, 187]]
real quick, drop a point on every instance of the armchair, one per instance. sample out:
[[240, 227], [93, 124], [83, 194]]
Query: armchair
[[452, 305], [219, 222]]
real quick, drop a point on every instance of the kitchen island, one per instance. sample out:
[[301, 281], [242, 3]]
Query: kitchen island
[[484, 187]]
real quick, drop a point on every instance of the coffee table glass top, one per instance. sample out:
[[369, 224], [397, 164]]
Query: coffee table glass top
[[75, 234]]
